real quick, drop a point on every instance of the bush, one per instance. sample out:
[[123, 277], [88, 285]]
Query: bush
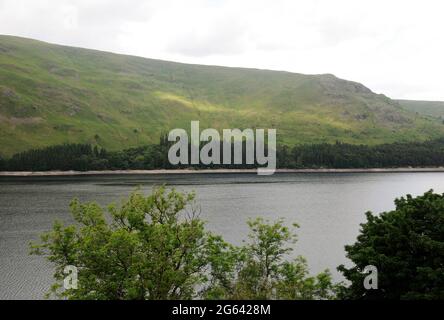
[[407, 247]]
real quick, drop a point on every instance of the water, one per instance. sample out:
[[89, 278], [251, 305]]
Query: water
[[328, 207]]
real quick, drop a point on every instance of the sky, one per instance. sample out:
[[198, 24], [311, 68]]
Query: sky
[[392, 47]]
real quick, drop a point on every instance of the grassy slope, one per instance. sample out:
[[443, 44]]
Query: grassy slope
[[52, 94], [429, 108]]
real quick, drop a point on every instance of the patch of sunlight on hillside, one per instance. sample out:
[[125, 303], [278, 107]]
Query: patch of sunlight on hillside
[[192, 104]]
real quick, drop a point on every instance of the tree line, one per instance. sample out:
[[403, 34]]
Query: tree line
[[83, 157]]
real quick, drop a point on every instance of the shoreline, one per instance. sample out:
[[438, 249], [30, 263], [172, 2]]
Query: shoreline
[[207, 171]]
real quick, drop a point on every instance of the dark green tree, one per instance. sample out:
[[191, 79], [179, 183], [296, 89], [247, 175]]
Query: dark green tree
[[2, 164], [155, 156], [407, 247]]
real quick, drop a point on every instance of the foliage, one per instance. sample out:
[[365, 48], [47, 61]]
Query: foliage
[[63, 157], [429, 108], [342, 155], [156, 247], [260, 270], [155, 156], [149, 250], [2, 164], [407, 247]]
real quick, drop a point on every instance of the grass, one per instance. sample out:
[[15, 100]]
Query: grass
[[118, 101], [428, 108]]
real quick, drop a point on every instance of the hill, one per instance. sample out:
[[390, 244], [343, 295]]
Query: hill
[[51, 94], [429, 108]]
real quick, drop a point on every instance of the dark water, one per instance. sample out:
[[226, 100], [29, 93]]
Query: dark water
[[328, 207]]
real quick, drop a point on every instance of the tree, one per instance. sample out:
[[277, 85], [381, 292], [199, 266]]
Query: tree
[[406, 246], [260, 269], [2, 164], [156, 247], [150, 249]]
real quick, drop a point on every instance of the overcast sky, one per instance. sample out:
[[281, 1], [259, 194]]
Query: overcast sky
[[393, 47]]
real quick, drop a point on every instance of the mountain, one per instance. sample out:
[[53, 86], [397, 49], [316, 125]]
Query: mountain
[[51, 94], [429, 108]]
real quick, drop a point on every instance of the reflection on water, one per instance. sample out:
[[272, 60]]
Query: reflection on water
[[328, 207]]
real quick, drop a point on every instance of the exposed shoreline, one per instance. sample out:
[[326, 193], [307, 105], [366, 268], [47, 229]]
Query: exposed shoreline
[[203, 171]]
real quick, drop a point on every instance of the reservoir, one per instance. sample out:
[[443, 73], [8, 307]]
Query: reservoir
[[328, 207]]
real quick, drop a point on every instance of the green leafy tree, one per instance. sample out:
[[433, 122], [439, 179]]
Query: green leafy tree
[[261, 270], [407, 247], [156, 247], [150, 249]]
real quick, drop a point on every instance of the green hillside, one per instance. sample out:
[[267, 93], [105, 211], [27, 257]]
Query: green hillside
[[428, 108], [52, 94]]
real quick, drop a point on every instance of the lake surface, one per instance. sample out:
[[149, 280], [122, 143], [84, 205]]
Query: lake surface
[[328, 207]]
